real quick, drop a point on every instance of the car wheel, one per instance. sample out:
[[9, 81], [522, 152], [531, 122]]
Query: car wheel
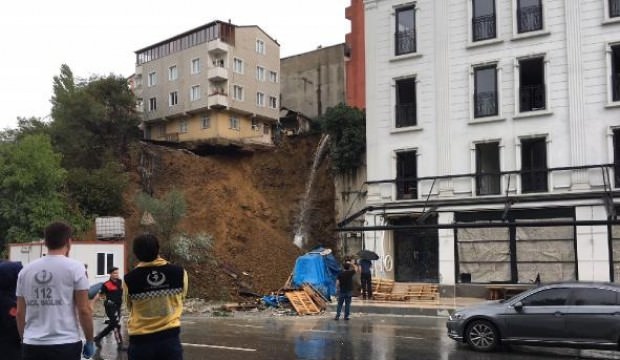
[[481, 335]]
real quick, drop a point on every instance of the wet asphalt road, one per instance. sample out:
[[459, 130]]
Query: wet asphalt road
[[377, 337]]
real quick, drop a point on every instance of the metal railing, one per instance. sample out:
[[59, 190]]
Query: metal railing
[[406, 189], [406, 115], [405, 42], [614, 8], [485, 104], [483, 27], [532, 97], [529, 18]]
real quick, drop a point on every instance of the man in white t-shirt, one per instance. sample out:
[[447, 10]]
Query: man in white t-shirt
[[52, 302]]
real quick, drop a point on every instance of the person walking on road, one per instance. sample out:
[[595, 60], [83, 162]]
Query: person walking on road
[[154, 292], [113, 292], [52, 302], [366, 278], [345, 289]]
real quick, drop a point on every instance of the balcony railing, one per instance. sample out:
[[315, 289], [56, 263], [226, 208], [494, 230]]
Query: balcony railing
[[534, 180], [530, 18], [483, 27], [615, 87], [614, 8], [532, 98], [405, 42], [485, 104], [406, 115], [488, 184]]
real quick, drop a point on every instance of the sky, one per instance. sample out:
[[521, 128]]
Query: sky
[[38, 36]]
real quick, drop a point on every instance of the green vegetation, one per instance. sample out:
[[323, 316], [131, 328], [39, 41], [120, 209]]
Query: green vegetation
[[346, 127]]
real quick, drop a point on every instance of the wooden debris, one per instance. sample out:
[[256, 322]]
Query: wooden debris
[[302, 302], [316, 296]]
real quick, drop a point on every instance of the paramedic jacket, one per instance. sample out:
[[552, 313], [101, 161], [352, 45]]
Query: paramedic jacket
[[154, 293]]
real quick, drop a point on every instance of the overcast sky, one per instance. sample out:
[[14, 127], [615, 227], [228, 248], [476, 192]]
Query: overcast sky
[[99, 38]]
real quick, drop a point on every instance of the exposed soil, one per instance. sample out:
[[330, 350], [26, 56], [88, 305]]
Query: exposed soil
[[249, 202]]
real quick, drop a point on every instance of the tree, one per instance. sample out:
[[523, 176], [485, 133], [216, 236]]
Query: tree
[[31, 183], [346, 127]]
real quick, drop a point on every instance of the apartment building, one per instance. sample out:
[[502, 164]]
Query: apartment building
[[493, 140], [216, 84]]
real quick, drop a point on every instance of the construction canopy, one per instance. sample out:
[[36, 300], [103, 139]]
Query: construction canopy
[[318, 268]]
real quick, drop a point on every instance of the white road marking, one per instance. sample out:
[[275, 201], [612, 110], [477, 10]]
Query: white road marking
[[219, 347], [247, 326], [322, 331], [409, 337]]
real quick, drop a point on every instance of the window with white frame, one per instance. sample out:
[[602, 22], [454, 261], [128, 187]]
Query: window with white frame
[[105, 261], [152, 104], [483, 22], [234, 122], [534, 165], [195, 67], [406, 175], [616, 146], [194, 93], [529, 15], [183, 126], [152, 79], [273, 76], [532, 90], [273, 102], [173, 73], [238, 92], [614, 72], [260, 47], [406, 103], [260, 73], [405, 36], [486, 97], [238, 65], [260, 99], [614, 8], [173, 98], [206, 122], [488, 177]]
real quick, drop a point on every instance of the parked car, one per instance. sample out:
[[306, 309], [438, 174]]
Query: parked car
[[576, 314]]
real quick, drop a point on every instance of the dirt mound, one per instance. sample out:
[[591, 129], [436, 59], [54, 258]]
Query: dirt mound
[[249, 202]]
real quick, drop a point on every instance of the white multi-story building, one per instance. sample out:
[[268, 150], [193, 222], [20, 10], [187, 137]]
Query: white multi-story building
[[493, 139]]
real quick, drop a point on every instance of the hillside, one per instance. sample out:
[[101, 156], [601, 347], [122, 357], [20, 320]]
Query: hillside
[[248, 201]]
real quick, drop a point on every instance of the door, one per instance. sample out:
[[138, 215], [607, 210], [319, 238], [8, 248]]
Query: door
[[594, 316], [416, 253]]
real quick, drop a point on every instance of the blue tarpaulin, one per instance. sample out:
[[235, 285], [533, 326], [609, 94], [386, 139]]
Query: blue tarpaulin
[[318, 270]]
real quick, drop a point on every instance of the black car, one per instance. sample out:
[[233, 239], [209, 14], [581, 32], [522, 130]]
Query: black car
[[576, 314]]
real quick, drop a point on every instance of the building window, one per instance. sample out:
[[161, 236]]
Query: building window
[[405, 103], [173, 73], [614, 8], [273, 102], [615, 72], [152, 104], [238, 65], [152, 79], [260, 73], [260, 47], [255, 125], [105, 262], [238, 92], [529, 15], [194, 93], [265, 129], [405, 31], [234, 122], [173, 98], [487, 169], [218, 62], [183, 126], [195, 66], [406, 175], [483, 21], [532, 84], [273, 76], [617, 157], [485, 91], [260, 99], [206, 122], [533, 165]]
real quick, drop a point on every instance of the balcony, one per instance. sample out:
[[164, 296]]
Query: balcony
[[483, 27], [532, 98], [405, 42], [529, 18], [217, 73], [218, 47], [406, 189], [217, 100]]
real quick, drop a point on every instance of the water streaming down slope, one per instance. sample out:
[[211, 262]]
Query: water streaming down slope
[[300, 232]]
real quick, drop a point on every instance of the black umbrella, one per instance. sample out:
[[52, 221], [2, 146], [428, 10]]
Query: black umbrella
[[367, 255]]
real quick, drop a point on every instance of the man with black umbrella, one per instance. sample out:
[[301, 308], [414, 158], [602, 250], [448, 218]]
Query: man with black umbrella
[[366, 278]]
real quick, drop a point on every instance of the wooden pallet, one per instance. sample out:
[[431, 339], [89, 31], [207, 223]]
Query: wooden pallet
[[319, 300], [382, 288], [423, 292], [302, 302]]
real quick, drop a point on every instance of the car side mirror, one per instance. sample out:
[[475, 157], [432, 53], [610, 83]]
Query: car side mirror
[[518, 306]]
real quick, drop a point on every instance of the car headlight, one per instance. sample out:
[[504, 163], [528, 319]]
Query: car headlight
[[456, 316]]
